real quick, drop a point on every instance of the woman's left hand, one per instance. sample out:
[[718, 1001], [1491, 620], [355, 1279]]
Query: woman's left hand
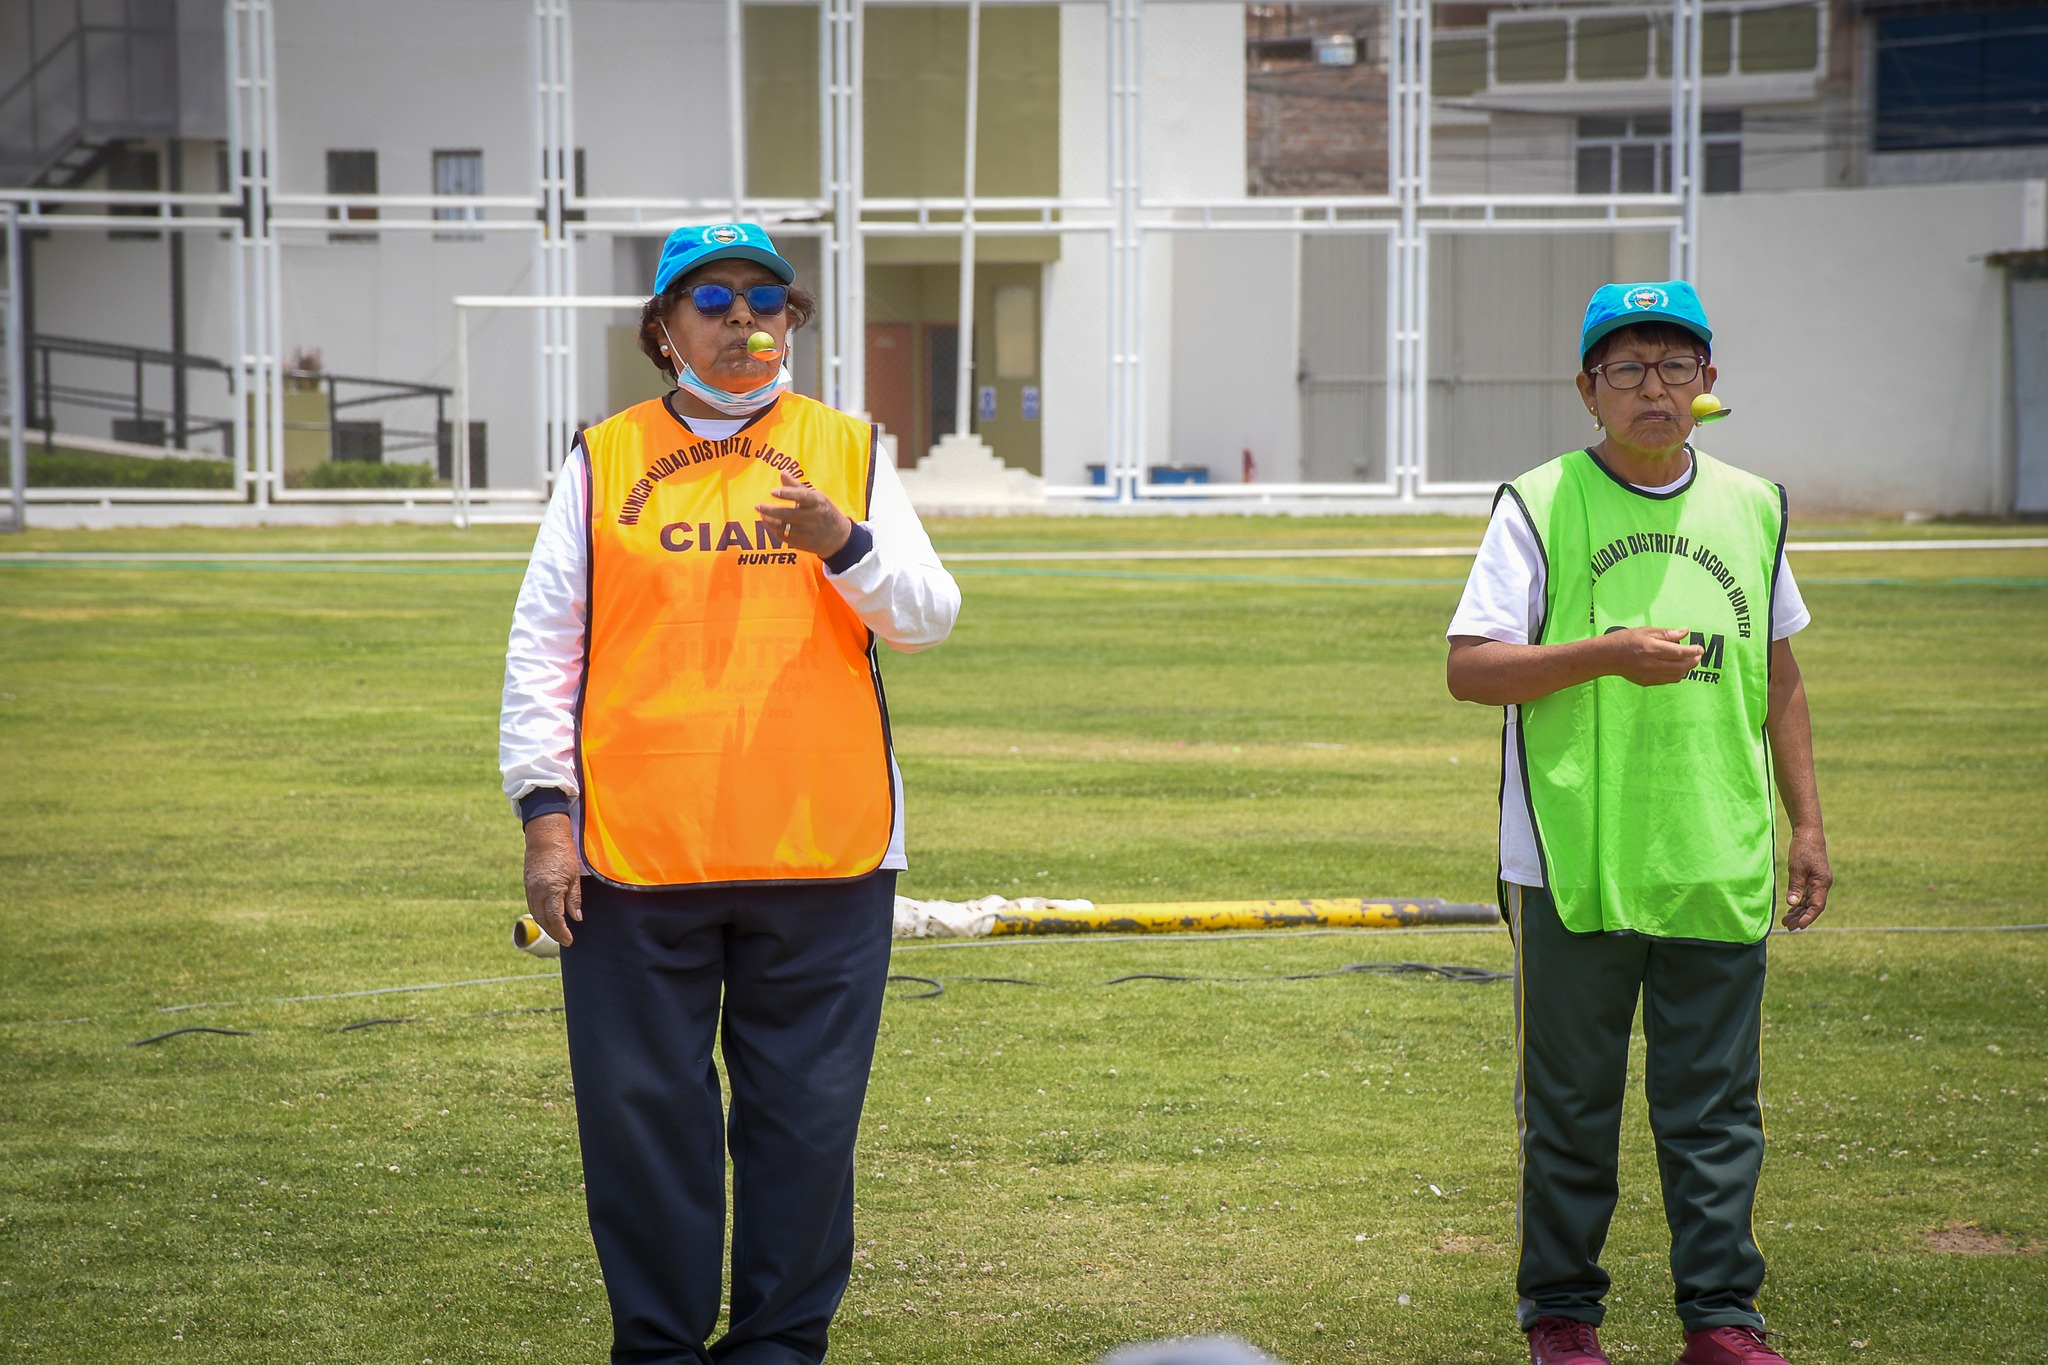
[[810, 522]]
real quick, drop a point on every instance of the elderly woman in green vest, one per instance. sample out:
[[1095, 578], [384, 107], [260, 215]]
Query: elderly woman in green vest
[[1632, 611]]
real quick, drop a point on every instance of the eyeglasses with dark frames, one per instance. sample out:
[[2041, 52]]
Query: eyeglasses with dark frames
[[1630, 374]]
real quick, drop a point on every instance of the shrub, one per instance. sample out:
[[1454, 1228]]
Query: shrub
[[66, 468], [363, 474]]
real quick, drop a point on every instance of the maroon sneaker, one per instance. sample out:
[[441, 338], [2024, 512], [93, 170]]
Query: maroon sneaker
[[1565, 1341], [1729, 1346]]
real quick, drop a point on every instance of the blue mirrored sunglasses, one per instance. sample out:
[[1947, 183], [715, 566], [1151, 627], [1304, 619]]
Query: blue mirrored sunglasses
[[763, 300]]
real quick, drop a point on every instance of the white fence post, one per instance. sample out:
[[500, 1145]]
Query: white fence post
[[17, 379]]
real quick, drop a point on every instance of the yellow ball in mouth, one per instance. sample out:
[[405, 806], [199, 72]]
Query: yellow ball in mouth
[[760, 344], [1707, 407]]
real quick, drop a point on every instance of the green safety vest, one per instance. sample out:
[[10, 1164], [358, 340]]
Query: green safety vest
[[1652, 806]]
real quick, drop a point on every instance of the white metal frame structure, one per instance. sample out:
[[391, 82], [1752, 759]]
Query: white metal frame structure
[[844, 217], [16, 379], [459, 488]]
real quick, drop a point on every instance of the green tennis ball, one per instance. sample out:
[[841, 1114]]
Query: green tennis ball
[[1707, 408], [760, 344]]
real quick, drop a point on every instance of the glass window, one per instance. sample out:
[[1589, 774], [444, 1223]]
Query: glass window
[[1633, 155], [1457, 67], [1962, 80], [458, 173], [1596, 169], [1616, 49], [1639, 168], [1016, 329], [1786, 38], [1723, 171], [352, 172], [1717, 44], [1529, 50]]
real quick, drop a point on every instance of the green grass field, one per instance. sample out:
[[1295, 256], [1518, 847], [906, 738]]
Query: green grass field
[[236, 785]]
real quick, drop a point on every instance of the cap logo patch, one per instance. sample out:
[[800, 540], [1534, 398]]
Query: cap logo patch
[[1645, 298], [724, 235]]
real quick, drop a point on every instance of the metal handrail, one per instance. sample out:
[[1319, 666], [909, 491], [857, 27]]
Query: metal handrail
[[43, 394], [114, 350]]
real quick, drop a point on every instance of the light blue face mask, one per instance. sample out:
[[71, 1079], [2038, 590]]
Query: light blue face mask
[[724, 400]]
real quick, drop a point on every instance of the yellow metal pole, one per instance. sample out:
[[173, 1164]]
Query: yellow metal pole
[[1209, 916]]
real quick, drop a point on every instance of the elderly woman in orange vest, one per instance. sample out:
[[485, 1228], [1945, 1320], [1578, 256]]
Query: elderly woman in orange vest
[[695, 736]]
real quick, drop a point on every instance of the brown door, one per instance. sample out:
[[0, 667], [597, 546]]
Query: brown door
[[890, 401], [942, 378]]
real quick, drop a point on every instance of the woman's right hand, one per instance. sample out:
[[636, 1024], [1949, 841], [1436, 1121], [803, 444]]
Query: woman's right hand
[[1647, 656], [554, 875]]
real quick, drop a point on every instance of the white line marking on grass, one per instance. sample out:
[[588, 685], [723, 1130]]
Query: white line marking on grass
[[26, 557], [1850, 546], [265, 557], [1443, 551], [1037, 940], [430, 986], [1437, 551]]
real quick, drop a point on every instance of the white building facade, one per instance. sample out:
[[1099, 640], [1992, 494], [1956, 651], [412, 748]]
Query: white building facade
[[328, 180]]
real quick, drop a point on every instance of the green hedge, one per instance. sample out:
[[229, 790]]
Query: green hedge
[[66, 468], [362, 474]]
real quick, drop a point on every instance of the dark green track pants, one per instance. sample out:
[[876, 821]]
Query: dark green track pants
[[1575, 1002]]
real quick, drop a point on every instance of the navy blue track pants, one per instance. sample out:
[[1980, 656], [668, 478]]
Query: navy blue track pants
[[789, 980]]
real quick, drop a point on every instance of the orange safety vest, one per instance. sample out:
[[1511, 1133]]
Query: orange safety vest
[[731, 725]]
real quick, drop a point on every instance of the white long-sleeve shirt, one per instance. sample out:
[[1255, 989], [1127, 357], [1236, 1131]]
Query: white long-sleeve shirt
[[899, 589]]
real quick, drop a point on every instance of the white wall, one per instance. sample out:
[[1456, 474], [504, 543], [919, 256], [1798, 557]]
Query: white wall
[[1892, 285], [1193, 146], [1236, 348], [1194, 101], [1075, 335], [1785, 147], [408, 79], [650, 81], [649, 134], [1501, 153]]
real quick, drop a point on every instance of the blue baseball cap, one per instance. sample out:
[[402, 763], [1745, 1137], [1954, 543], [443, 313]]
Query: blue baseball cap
[[1615, 306], [689, 247]]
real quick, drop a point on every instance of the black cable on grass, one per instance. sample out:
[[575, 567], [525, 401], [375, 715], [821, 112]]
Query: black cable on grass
[[487, 1014], [1472, 975], [936, 988], [196, 1028], [1452, 972]]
